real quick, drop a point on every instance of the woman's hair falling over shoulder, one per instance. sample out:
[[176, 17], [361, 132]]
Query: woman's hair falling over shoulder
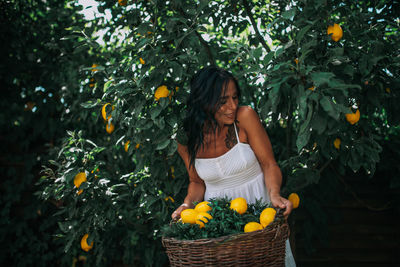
[[206, 88]]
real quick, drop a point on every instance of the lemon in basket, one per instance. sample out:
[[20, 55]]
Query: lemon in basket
[[267, 216], [203, 207], [239, 204], [252, 226], [189, 216], [202, 218]]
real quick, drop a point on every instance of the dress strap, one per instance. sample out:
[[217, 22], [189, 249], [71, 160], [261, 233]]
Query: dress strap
[[237, 136]]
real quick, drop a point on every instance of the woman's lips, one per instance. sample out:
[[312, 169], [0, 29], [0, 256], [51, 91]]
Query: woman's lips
[[231, 115]]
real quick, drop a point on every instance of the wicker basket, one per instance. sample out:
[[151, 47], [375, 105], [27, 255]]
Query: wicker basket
[[259, 248]]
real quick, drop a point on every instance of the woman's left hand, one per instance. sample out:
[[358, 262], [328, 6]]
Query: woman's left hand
[[281, 202]]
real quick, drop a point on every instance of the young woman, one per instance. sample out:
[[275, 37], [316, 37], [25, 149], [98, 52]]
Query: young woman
[[228, 152]]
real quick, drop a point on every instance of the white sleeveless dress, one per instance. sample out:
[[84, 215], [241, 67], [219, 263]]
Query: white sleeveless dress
[[237, 173]]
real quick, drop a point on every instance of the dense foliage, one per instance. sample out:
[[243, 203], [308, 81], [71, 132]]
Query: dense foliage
[[61, 70]]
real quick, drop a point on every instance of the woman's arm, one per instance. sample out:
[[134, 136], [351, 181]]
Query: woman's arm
[[259, 141], [196, 188]]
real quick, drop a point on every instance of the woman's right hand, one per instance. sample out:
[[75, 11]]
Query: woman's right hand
[[176, 215]]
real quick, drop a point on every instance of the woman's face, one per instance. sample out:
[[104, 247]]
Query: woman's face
[[226, 114]]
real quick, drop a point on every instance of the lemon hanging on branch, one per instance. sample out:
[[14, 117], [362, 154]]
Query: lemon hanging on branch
[[336, 143], [94, 68], [104, 112], [161, 92], [126, 146], [295, 199], [353, 118], [122, 2], [110, 127], [84, 245], [336, 31], [78, 180]]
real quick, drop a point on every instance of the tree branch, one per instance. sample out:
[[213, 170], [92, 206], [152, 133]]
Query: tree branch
[[254, 24], [205, 44], [202, 41]]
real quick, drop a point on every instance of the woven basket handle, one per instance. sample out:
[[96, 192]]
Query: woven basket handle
[[279, 212], [279, 215]]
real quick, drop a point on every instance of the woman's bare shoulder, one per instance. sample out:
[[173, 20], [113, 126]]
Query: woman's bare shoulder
[[246, 113]]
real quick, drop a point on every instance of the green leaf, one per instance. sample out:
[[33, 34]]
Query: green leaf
[[319, 123], [278, 52], [289, 14], [328, 105], [89, 104], [305, 132], [155, 112], [268, 58], [320, 78], [163, 144], [107, 85], [301, 33]]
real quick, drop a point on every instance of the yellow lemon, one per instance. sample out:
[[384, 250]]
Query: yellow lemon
[[239, 204], [122, 2], [312, 88], [252, 226], [267, 216], [336, 143], [94, 67], [169, 198], [80, 192], [104, 112], [137, 145], [336, 31], [189, 216], [161, 92], [126, 146], [387, 90], [142, 61], [92, 83], [296, 60], [353, 117], [79, 179], [202, 218], [84, 245], [110, 128], [295, 199], [203, 207]]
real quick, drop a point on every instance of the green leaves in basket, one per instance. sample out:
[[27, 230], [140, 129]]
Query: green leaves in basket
[[225, 221]]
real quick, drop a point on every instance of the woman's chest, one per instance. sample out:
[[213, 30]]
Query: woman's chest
[[236, 161], [215, 146]]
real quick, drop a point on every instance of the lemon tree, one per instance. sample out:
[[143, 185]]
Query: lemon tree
[[40, 74], [302, 77]]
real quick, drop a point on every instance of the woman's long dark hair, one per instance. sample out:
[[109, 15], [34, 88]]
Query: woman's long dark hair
[[206, 87]]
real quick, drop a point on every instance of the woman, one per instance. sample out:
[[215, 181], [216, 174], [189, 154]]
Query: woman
[[228, 152]]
